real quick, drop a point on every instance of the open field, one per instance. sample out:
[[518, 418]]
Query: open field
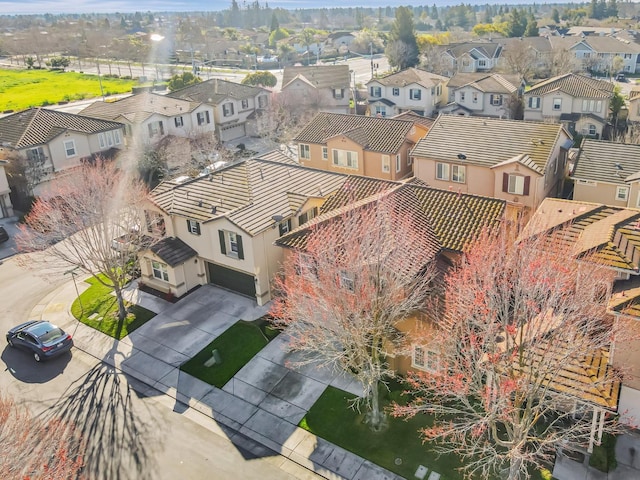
[[20, 89]]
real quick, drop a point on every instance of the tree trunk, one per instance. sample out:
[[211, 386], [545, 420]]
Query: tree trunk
[[122, 309], [376, 414], [514, 468]]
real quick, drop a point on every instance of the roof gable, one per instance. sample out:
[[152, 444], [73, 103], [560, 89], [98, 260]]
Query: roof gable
[[321, 77], [574, 85], [604, 161], [215, 91]]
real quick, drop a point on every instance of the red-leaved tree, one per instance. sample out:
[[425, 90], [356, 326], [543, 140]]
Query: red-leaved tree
[[342, 294], [522, 342]]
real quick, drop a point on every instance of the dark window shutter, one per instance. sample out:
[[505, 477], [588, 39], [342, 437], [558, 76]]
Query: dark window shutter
[[223, 242], [161, 127], [491, 99], [208, 118], [189, 226], [289, 224], [150, 127], [240, 250], [197, 228], [505, 182], [527, 181]]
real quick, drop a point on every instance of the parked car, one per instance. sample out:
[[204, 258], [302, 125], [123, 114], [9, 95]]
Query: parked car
[[620, 77], [4, 236], [43, 339]]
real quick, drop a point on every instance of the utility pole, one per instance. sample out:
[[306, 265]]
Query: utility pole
[[371, 56]]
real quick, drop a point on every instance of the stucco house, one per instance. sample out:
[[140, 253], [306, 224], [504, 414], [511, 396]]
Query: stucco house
[[411, 89], [520, 162], [6, 207], [481, 56], [324, 88], [608, 173], [597, 52], [580, 103], [634, 105]]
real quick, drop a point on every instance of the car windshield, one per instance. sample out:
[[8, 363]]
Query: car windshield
[[47, 332]]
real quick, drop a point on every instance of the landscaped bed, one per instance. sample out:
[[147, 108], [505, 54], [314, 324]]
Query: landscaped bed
[[235, 347], [100, 309]]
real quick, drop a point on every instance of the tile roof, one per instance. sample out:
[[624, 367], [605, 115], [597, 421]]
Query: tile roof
[[604, 161], [277, 156], [410, 76], [248, 193], [214, 91], [137, 108], [382, 134], [486, 82], [321, 76], [486, 49], [488, 141], [354, 189], [415, 118], [600, 44], [37, 126], [173, 251], [634, 94], [574, 85]]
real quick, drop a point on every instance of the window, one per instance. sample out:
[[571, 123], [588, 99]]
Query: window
[[284, 226], [227, 109], [496, 100], [424, 359], [160, 271], [347, 281], [338, 93], [557, 104], [534, 102], [156, 128], [458, 173], [622, 193], [395, 92], [345, 158], [398, 162], [262, 101], [36, 155], [386, 163], [203, 117], [245, 104], [516, 184], [462, 96], [592, 129], [591, 105], [231, 244], [627, 56], [70, 148], [325, 153], [442, 171], [482, 63], [193, 226], [304, 151], [154, 222], [179, 122], [474, 97], [375, 91], [308, 215], [415, 93], [381, 111]]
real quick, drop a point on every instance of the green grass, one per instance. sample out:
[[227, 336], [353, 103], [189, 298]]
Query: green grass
[[603, 457], [237, 345], [20, 89], [98, 299]]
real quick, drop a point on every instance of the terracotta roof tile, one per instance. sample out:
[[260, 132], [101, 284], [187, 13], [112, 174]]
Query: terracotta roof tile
[[574, 85], [173, 251], [213, 91], [137, 108], [603, 161], [322, 76], [410, 76]]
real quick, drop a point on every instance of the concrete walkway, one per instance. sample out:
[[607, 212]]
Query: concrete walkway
[[263, 402]]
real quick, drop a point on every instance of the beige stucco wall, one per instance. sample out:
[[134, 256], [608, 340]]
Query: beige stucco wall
[[634, 110], [536, 186], [299, 93], [602, 193], [626, 352], [58, 153], [480, 180]]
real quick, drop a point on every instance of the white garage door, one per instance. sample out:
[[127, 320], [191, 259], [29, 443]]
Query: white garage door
[[232, 132]]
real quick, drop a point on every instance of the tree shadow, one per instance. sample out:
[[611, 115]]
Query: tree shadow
[[118, 443]]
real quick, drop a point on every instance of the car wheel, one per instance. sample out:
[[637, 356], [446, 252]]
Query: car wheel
[[10, 342], [36, 356]]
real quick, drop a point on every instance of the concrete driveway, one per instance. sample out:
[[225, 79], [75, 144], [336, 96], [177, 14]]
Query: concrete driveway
[[8, 248]]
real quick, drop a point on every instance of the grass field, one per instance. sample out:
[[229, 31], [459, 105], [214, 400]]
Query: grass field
[[20, 89]]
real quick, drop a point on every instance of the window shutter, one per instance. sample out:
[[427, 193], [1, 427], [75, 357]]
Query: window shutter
[[161, 127], [505, 182], [189, 226], [527, 181], [491, 99], [223, 242], [240, 250], [197, 228], [150, 127], [208, 118]]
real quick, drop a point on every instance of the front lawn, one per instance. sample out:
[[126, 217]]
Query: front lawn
[[101, 310], [236, 346]]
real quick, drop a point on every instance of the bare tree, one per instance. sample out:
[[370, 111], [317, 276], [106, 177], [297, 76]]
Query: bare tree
[[520, 59], [34, 448], [521, 346], [341, 297], [284, 117], [562, 61], [91, 221]]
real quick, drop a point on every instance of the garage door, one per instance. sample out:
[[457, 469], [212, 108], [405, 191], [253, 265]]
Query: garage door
[[231, 133], [232, 279]]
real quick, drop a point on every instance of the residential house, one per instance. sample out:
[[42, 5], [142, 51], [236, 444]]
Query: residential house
[[340, 40], [234, 105], [608, 173], [470, 57], [150, 117], [580, 103], [411, 89], [484, 94], [520, 162], [52, 142], [597, 52], [6, 207], [422, 124], [220, 228], [324, 88], [356, 144], [634, 105]]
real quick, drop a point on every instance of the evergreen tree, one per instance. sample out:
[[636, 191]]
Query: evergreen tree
[[403, 40], [612, 8], [434, 12], [555, 15], [532, 27], [274, 22]]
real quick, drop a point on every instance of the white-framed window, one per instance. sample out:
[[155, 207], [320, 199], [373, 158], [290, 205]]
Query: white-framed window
[[458, 173], [233, 242], [227, 109], [482, 63], [386, 163], [284, 226], [325, 153], [203, 117], [462, 96], [36, 155], [557, 104], [109, 139], [398, 162], [442, 171], [193, 226], [304, 151], [474, 97], [424, 359], [308, 215], [178, 121], [70, 148], [395, 92], [534, 102], [415, 94], [381, 110], [622, 193], [263, 101], [496, 100], [345, 158], [516, 184], [245, 103], [160, 271], [592, 129], [347, 281], [338, 93], [375, 91], [156, 128]]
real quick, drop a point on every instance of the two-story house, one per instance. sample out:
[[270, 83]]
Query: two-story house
[[52, 142], [597, 52], [324, 88], [580, 103], [6, 207], [470, 57], [359, 145], [411, 89], [607, 172], [148, 116], [234, 105], [634, 105], [521, 162], [484, 94]]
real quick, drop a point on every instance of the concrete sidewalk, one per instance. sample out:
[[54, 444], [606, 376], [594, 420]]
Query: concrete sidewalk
[[263, 403]]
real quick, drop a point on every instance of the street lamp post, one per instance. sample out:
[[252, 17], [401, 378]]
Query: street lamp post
[[73, 274]]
